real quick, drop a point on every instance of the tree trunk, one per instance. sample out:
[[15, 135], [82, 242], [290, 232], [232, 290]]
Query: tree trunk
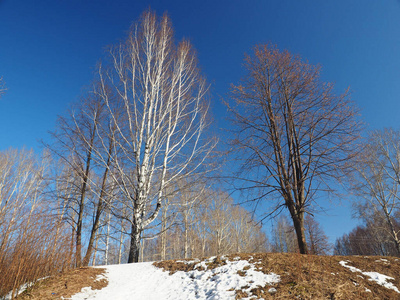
[[120, 245], [298, 223], [85, 178], [95, 250], [164, 233], [108, 238], [134, 248], [186, 239], [78, 236], [100, 205], [393, 232]]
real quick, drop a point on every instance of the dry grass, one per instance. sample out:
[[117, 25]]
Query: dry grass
[[313, 277], [302, 277], [65, 285]]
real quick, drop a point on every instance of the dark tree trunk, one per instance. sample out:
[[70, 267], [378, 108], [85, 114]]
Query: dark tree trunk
[[298, 223], [78, 258], [297, 216], [85, 178], [99, 210]]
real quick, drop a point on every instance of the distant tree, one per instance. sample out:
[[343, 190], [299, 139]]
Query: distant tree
[[156, 98], [247, 234], [342, 246], [293, 133], [360, 241], [210, 225], [283, 236], [317, 241], [377, 182], [370, 238]]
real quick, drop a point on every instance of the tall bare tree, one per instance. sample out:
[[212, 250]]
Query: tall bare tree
[[77, 144], [377, 181], [164, 114], [293, 132]]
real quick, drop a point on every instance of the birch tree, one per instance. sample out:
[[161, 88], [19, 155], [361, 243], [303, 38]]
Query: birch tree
[[160, 129], [294, 135]]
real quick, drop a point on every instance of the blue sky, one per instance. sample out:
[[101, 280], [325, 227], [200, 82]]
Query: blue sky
[[49, 49]]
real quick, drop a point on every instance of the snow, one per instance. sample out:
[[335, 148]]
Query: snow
[[21, 289], [374, 276], [145, 281]]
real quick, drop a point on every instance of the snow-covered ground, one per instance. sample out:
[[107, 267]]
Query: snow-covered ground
[[145, 281]]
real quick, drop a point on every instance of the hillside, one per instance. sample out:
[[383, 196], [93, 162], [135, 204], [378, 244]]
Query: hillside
[[239, 276]]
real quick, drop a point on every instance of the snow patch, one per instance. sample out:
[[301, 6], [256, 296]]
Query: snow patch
[[374, 276], [145, 281]]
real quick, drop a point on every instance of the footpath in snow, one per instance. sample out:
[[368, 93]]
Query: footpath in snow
[[145, 281]]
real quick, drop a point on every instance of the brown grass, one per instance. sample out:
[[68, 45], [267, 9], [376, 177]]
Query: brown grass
[[302, 277], [313, 277], [65, 285]]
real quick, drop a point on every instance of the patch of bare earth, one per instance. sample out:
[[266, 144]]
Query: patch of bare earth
[[65, 285], [310, 276], [188, 264]]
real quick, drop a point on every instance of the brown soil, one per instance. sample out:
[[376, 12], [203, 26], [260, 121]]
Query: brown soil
[[65, 285]]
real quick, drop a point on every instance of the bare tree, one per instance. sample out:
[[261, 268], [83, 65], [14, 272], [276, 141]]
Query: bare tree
[[283, 236], [218, 221], [32, 243], [293, 133], [164, 115], [190, 198], [247, 235], [318, 242], [377, 181], [76, 144]]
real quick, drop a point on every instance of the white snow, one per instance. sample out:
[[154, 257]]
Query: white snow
[[21, 289], [145, 281], [374, 276]]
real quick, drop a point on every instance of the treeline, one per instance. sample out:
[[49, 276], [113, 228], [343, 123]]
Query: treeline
[[197, 224], [375, 185], [371, 238]]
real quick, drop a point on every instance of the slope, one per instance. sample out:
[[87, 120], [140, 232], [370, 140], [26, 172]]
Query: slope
[[239, 276]]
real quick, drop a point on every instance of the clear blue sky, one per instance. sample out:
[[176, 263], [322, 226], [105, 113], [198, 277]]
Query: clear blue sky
[[48, 51]]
